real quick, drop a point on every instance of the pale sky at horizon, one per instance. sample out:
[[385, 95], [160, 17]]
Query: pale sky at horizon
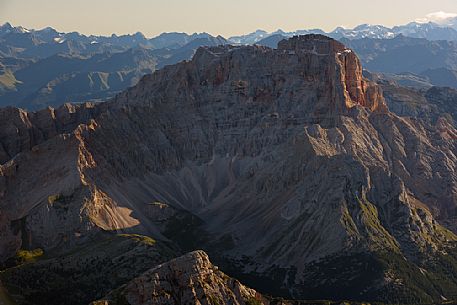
[[227, 18]]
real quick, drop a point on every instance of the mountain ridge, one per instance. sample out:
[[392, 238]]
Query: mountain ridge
[[428, 30]]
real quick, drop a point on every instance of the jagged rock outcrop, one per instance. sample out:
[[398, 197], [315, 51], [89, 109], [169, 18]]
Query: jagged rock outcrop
[[357, 90], [189, 279], [288, 158], [21, 131]]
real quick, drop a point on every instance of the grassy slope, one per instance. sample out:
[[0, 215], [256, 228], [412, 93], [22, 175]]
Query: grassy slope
[[8, 81]]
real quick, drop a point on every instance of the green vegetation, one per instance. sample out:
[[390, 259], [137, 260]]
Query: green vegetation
[[54, 198], [139, 238], [347, 222], [445, 233], [60, 202], [28, 256], [374, 230]]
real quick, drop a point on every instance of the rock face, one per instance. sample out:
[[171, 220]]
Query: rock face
[[189, 279], [289, 159], [20, 131], [357, 90]]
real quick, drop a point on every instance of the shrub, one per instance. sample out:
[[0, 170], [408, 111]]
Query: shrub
[[26, 256], [53, 198]]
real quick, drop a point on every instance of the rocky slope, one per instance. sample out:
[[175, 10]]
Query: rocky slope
[[190, 279], [417, 99], [286, 165]]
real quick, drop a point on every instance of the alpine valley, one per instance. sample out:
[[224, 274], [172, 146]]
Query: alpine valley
[[224, 171]]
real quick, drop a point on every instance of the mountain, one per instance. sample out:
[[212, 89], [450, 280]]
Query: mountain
[[259, 35], [25, 43], [422, 101], [363, 31], [250, 38], [429, 31], [46, 68], [409, 80], [412, 62], [61, 78], [271, 41], [444, 99], [189, 279], [404, 54], [38, 45], [441, 77], [285, 165], [175, 40]]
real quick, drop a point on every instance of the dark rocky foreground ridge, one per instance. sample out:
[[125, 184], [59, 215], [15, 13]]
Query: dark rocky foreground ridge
[[285, 165]]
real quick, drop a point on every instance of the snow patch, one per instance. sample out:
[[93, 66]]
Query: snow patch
[[59, 39], [22, 29]]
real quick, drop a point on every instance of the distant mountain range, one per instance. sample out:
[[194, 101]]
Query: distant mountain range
[[41, 68], [45, 67], [430, 31], [16, 38]]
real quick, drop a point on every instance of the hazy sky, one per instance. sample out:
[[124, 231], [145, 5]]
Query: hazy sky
[[225, 17]]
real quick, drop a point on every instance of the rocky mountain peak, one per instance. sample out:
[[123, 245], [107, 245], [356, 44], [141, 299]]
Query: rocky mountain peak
[[189, 279], [357, 90], [318, 43], [310, 75]]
